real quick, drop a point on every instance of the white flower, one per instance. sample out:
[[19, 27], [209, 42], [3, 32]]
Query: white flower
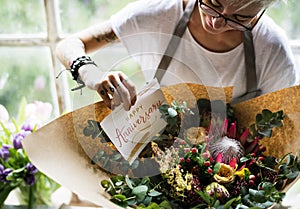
[[38, 112], [4, 116]]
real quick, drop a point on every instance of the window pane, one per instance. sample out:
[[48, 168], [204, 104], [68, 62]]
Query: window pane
[[77, 14], [22, 16], [24, 73], [287, 16]]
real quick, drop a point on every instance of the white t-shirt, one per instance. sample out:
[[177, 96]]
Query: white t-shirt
[[145, 28]]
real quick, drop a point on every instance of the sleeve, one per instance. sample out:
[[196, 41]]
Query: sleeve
[[275, 60]]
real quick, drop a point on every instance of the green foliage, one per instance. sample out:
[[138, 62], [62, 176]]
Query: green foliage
[[289, 167], [265, 122], [173, 114], [126, 191], [265, 196]]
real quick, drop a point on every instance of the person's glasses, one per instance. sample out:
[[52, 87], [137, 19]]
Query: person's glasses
[[232, 23]]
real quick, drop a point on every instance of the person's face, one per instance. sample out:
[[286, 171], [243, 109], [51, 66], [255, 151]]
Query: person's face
[[219, 16]]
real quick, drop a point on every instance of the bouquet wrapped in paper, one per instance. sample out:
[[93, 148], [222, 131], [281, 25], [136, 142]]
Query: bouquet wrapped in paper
[[180, 146]]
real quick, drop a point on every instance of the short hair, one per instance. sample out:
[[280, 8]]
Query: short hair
[[261, 3]]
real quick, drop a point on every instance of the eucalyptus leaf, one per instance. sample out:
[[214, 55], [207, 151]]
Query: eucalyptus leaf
[[120, 200], [154, 193], [140, 192], [292, 174], [128, 182]]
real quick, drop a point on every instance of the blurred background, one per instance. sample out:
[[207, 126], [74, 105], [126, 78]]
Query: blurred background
[[30, 30]]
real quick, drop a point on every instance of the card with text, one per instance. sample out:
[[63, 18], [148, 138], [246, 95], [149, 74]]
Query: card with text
[[130, 131]]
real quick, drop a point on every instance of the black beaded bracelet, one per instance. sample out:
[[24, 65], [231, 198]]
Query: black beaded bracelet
[[79, 62]]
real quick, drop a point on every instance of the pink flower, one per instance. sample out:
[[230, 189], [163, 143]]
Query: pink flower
[[187, 150], [209, 171], [40, 83], [207, 163], [205, 155], [194, 150]]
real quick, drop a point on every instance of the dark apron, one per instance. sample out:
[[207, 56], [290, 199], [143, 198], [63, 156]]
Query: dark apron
[[251, 78]]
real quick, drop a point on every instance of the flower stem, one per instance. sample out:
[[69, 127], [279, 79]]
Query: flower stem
[[31, 199]]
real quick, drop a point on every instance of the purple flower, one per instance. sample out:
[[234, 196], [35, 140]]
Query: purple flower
[[18, 138], [4, 173], [4, 152], [30, 174], [30, 179], [27, 127], [31, 169]]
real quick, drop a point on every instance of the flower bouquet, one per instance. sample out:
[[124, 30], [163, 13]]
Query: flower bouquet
[[212, 165], [210, 154], [16, 170]]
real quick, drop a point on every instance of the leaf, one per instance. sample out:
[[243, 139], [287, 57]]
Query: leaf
[[120, 200], [147, 200], [267, 114], [165, 205], [105, 183], [154, 193], [206, 197], [229, 203], [128, 182], [217, 167], [135, 165], [21, 113], [140, 192], [292, 174], [92, 129]]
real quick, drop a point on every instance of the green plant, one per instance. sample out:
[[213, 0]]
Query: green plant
[[16, 170]]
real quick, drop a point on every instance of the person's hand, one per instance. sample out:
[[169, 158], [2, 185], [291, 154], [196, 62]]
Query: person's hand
[[115, 88]]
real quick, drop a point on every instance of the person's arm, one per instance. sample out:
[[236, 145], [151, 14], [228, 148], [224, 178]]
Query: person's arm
[[84, 42], [114, 88]]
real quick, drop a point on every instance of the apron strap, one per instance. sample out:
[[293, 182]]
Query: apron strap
[[251, 78], [174, 42]]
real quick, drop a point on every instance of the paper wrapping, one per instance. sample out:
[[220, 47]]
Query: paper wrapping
[[63, 152]]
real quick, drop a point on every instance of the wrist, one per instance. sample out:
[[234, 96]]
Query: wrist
[[77, 64]]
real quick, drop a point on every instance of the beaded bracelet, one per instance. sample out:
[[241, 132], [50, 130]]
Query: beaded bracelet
[[79, 62]]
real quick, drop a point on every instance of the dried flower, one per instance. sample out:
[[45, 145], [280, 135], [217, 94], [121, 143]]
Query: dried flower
[[178, 181], [196, 135]]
